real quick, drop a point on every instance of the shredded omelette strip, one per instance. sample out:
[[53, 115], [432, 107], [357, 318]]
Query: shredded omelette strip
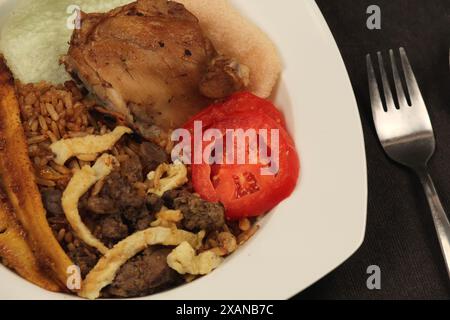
[[184, 260], [167, 177], [167, 218], [80, 183], [106, 269], [65, 149]]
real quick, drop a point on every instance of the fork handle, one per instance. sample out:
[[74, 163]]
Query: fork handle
[[440, 219]]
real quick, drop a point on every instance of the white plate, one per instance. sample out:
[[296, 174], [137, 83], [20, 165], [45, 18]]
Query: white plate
[[323, 222]]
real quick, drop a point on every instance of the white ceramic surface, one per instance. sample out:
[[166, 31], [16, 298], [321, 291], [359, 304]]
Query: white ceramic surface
[[323, 222]]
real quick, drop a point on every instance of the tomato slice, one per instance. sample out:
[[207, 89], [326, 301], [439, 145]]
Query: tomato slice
[[238, 103], [242, 188]]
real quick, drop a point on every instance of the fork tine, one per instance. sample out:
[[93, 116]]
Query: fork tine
[[386, 87], [375, 98], [411, 82], [398, 83]]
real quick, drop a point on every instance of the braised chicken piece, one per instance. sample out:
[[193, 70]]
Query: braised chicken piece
[[224, 77], [150, 62]]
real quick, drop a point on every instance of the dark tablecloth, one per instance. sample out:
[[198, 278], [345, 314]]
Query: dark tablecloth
[[400, 236]]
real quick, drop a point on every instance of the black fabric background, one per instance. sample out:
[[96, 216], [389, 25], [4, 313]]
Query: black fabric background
[[400, 236]]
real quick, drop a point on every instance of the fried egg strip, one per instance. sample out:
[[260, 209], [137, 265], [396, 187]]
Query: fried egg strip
[[106, 269], [167, 218], [184, 260], [167, 177], [80, 183], [64, 149]]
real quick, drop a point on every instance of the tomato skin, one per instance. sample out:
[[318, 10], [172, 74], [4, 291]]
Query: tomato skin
[[271, 189], [235, 106], [256, 204]]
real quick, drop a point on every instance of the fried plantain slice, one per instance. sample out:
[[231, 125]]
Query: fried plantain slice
[[20, 185], [15, 252]]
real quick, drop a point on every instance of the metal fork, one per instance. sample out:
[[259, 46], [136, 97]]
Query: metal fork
[[406, 134]]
